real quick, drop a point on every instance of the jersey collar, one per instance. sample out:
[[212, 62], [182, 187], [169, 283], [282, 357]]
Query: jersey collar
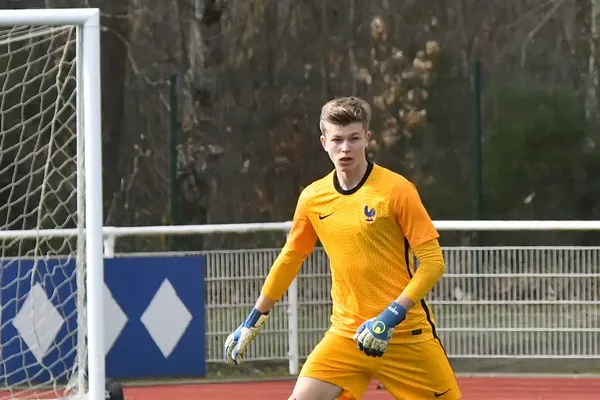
[[340, 190]]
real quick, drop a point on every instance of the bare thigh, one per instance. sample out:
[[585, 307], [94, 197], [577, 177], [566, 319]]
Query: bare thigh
[[313, 389], [334, 369]]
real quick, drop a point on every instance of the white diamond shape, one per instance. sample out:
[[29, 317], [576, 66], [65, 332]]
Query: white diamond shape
[[166, 318], [115, 320], [38, 322]]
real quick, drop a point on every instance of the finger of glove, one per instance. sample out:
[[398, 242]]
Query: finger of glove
[[371, 352], [237, 358], [375, 348], [378, 348], [238, 351], [230, 343], [368, 339], [360, 346], [232, 340], [360, 339], [245, 338], [229, 353], [377, 353]]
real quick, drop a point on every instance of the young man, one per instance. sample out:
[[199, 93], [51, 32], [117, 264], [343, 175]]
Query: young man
[[370, 221]]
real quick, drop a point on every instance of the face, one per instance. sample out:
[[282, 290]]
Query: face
[[345, 144]]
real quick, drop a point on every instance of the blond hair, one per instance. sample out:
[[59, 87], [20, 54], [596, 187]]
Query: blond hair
[[345, 111]]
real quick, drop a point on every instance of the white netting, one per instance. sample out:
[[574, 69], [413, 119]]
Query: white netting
[[41, 284]]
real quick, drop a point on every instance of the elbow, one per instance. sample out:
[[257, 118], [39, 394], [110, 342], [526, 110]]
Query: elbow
[[442, 267], [431, 259], [437, 270], [434, 264]]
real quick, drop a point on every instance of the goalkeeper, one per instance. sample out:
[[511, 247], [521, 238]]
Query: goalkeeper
[[371, 223]]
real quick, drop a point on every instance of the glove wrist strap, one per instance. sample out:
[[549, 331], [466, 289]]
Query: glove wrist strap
[[393, 314], [252, 318]]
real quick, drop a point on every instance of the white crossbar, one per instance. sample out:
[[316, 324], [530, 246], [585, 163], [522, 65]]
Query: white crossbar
[[59, 16]]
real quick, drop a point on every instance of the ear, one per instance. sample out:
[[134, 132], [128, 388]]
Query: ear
[[323, 142], [368, 135]]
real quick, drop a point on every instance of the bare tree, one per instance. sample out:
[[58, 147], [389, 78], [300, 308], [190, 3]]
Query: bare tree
[[591, 103]]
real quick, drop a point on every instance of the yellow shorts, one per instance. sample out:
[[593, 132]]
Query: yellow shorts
[[408, 371]]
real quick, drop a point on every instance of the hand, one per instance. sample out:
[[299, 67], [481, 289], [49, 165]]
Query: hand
[[237, 342], [374, 334]]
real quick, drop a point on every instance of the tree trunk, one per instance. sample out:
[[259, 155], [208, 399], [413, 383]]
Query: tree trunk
[[591, 101]]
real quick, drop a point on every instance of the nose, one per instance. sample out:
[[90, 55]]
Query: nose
[[345, 147]]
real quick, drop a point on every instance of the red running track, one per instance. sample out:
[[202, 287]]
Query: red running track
[[473, 388]]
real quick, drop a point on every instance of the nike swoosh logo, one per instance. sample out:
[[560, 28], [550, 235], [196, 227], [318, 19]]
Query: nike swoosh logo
[[441, 394], [324, 216]]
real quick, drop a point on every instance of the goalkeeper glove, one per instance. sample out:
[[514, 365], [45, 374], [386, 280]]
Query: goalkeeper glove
[[373, 335], [237, 342]]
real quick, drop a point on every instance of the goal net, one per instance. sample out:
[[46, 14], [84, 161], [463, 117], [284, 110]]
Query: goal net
[[42, 270]]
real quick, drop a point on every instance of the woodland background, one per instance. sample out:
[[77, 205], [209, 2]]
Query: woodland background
[[253, 74]]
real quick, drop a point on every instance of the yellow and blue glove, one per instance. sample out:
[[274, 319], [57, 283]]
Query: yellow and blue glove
[[374, 334], [237, 342]]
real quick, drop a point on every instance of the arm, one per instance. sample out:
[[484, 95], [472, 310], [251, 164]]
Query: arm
[[418, 229], [431, 268], [372, 336], [282, 273], [300, 242]]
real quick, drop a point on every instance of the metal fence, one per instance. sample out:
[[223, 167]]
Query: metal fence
[[493, 302]]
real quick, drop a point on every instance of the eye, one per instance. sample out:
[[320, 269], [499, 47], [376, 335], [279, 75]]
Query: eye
[[337, 140]]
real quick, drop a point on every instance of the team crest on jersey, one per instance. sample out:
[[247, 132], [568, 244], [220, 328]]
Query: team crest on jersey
[[369, 214]]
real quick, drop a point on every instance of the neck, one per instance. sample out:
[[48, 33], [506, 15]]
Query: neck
[[349, 179]]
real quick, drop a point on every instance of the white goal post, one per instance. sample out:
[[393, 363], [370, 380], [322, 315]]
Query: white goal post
[[50, 171]]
